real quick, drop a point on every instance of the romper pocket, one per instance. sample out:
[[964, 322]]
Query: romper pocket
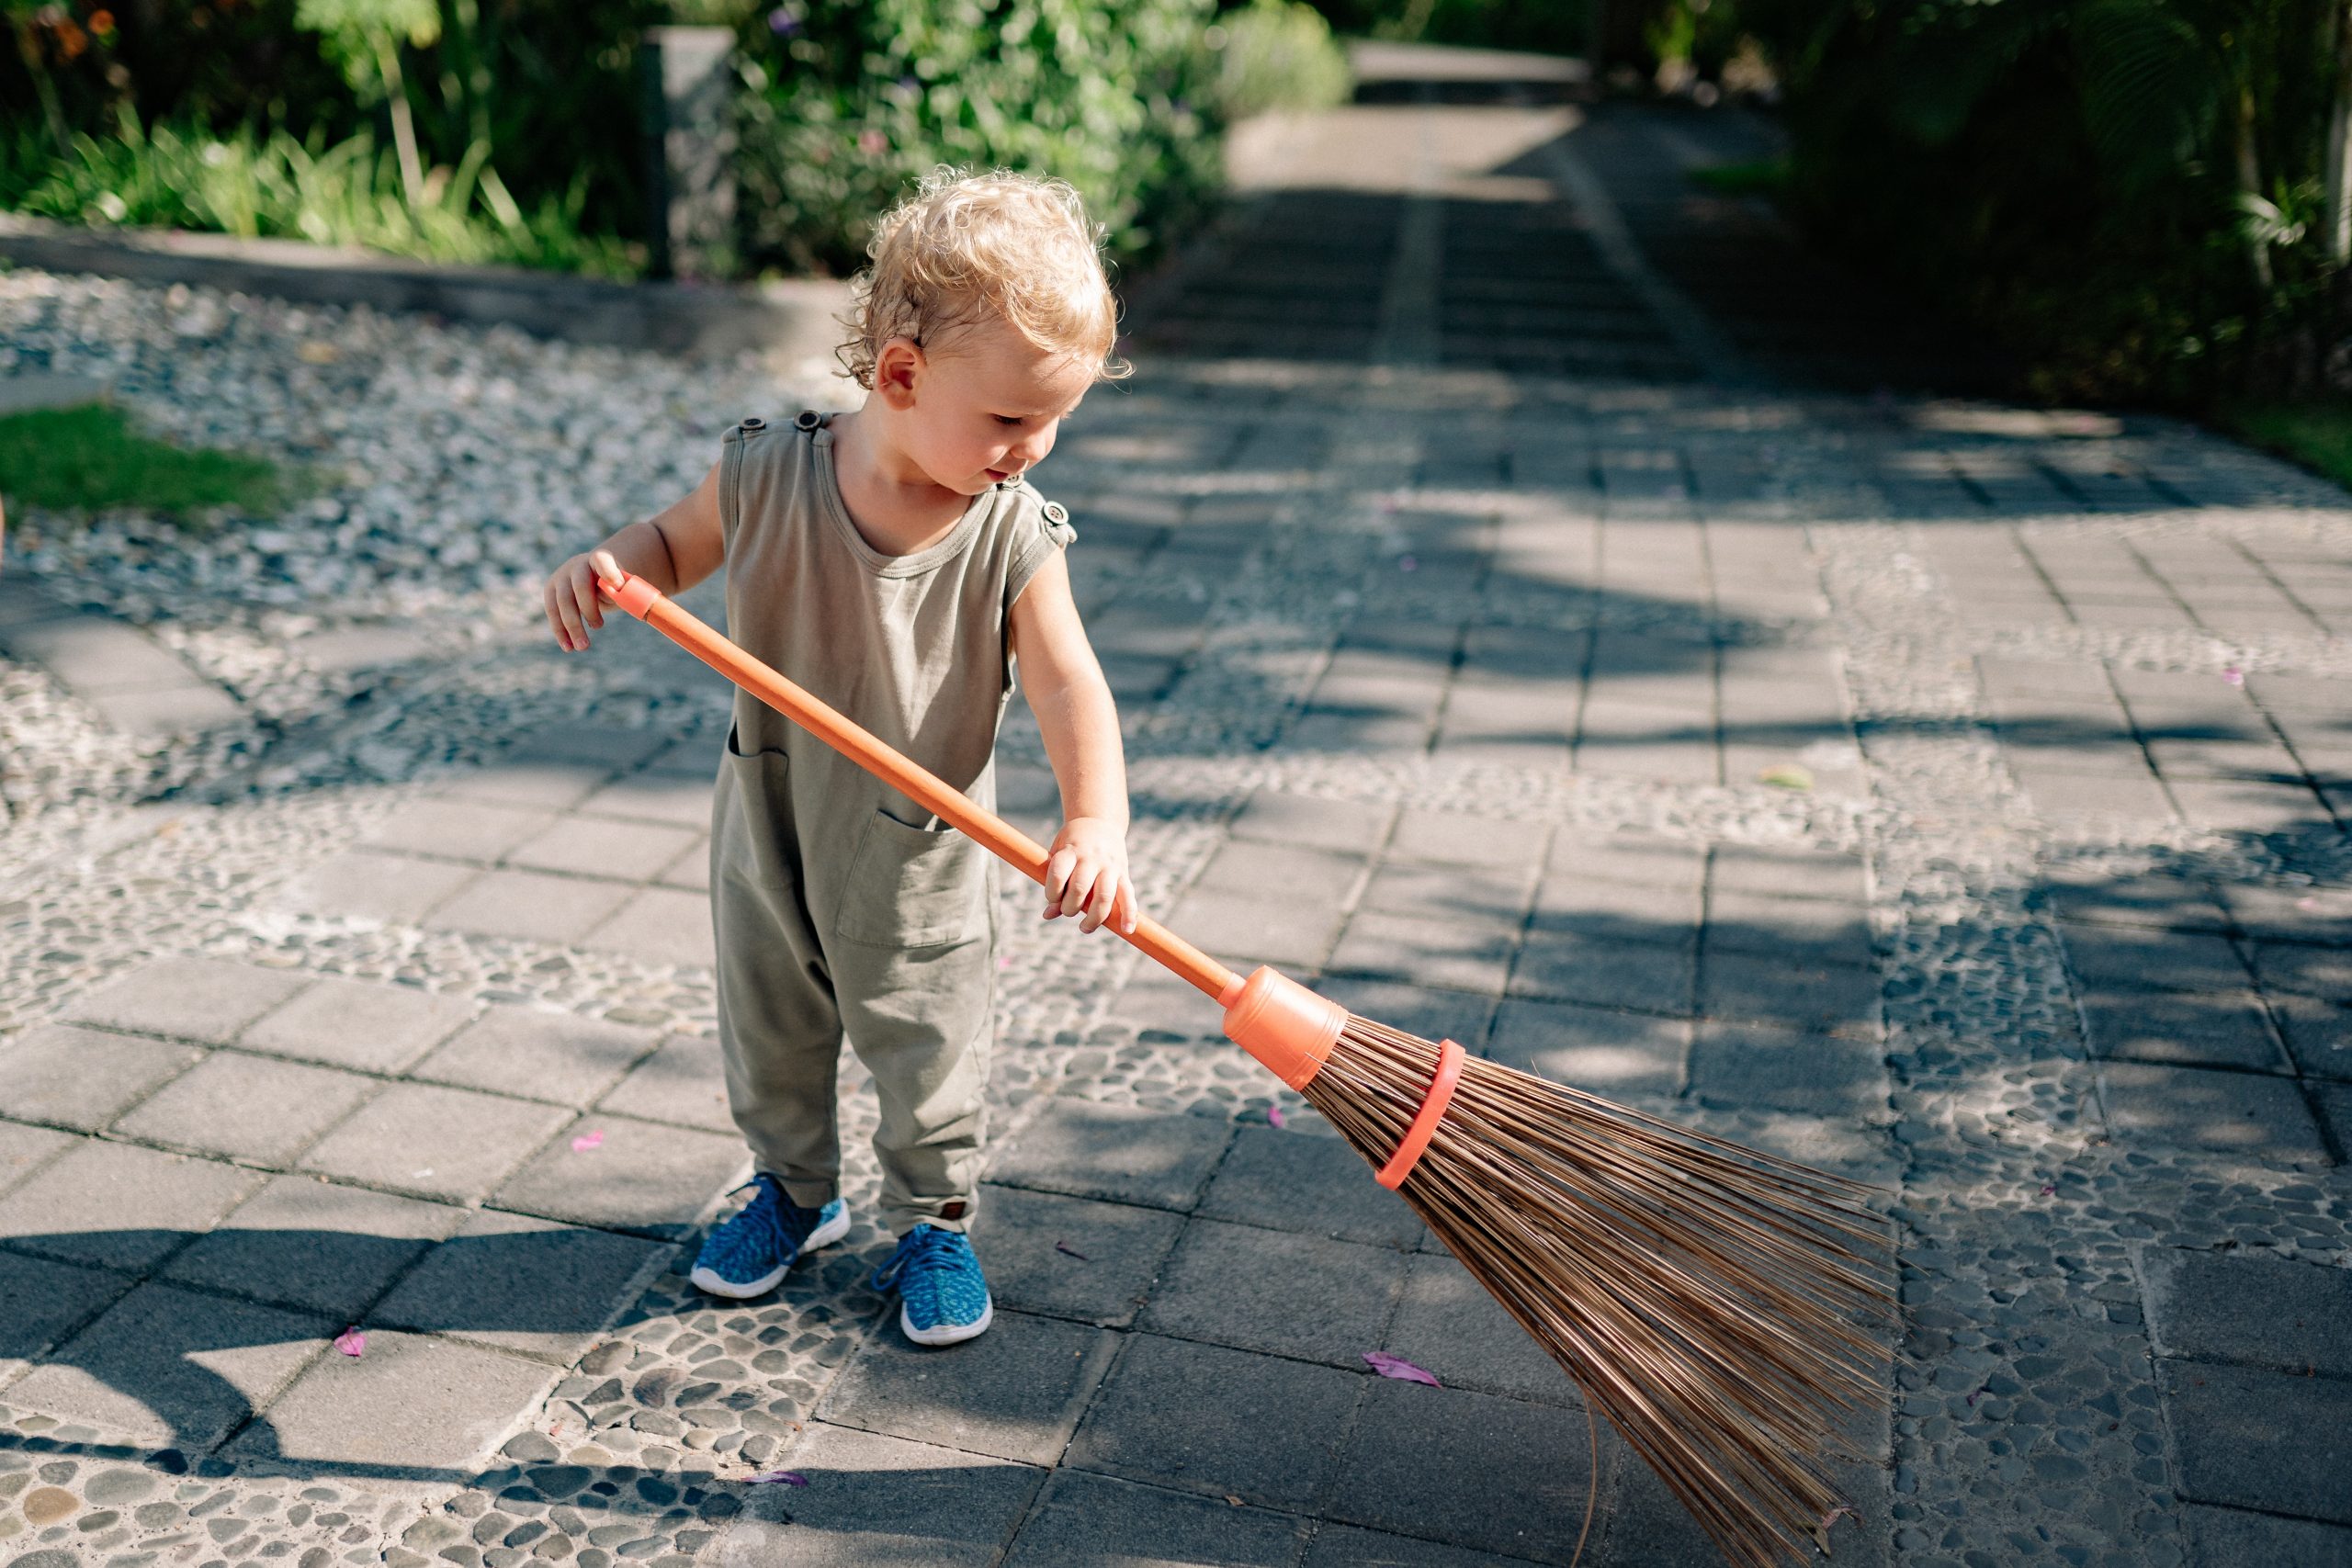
[[910, 887], [747, 842]]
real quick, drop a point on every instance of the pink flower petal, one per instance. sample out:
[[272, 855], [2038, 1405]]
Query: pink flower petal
[[1397, 1367], [587, 1141], [2234, 675], [1275, 1114], [352, 1343], [777, 1477], [2049, 1189]]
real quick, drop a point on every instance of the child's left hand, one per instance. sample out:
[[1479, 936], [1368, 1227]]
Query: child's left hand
[[1086, 874]]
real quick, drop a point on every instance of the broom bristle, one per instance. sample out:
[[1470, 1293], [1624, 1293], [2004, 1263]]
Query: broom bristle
[[1716, 1303]]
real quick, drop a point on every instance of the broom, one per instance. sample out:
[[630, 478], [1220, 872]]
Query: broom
[[1714, 1301]]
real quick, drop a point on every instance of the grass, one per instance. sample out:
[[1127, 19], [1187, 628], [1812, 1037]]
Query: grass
[[91, 457], [1768, 177], [2317, 435]]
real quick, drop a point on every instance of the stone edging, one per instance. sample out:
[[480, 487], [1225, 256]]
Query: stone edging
[[792, 319]]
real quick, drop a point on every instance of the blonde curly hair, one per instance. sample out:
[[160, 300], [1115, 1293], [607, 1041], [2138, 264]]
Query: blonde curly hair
[[966, 249]]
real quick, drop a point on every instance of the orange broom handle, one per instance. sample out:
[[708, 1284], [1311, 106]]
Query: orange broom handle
[[860, 745]]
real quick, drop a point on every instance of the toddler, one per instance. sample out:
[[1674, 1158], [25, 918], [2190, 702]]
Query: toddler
[[896, 562]]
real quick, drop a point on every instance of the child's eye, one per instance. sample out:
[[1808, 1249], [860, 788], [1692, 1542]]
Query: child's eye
[[1007, 419]]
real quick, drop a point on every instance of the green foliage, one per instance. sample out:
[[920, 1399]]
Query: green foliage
[[853, 99], [1767, 178], [274, 187], [1276, 54], [1553, 26], [91, 457], [2126, 191], [2317, 435]]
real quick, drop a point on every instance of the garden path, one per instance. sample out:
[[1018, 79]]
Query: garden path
[[1545, 611]]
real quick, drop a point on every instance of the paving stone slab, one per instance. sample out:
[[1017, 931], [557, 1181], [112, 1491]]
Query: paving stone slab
[[2228, 1538], [97, 653], [1343, 827], [456, 830], [1592, 1048], [1756, 1063], [250, 1108], [643, 1176], [371, 886], [526, 1286], [2249, 1115], [1120, 1153], [1169, 1414], [660, 925], [1016, 1392], [1787, 872], [1459, 1016], [1447, 838], [1420, 1462], [1094, 1519], [43, 1302], [1630, 859], [681, 1081], [188, 707], [1447, 1323], [1249, 1289], [2267, 1312], [1618, 911], [448, 1143], [1293, 871], [873, 1499], [204, 999], [312, 1246], [349, 1024], [1345, 1546], [537, 1055], [552, 785], [691, 870], [1809, 931], [1642, 1525], [590, 846], [1459, 895], [83, 1078], [2068, 800], [2324, 973], [1113, 1251], [1317, 1186], [1556, 966], [2336, 1112], [680, 801], [119, 1205], [23, 1149], [2115, 960], [172, 1369], [1428, 950], [2250, 1438], [1275, 929], [1828, 998], [2319, 916], [417, 1406], [2088, 896], [529, 905], [2202, 1029]]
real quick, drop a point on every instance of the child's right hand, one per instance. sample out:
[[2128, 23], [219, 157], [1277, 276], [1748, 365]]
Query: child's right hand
[[572, 602]]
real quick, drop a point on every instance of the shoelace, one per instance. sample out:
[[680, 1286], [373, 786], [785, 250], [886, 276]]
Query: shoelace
[[925, 1246]]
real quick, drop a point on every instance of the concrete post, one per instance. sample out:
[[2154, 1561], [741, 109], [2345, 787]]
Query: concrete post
[[689, 149]]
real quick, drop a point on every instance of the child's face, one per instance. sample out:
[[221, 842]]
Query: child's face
[[983, 408]]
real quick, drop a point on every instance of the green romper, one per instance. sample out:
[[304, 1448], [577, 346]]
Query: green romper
[[839, 903]]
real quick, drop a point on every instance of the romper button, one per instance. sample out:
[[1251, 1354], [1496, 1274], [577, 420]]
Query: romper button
[[752, 421], [807, 419], [1057, 513]]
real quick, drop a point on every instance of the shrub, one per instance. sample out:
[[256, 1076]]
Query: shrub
[[851, 99], [1276, 54], [274, 187]]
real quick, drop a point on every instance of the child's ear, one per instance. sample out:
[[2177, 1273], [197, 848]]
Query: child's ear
[[896, 370]]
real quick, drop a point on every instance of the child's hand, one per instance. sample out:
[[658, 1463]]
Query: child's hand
[[1086, 874], [572, 606]]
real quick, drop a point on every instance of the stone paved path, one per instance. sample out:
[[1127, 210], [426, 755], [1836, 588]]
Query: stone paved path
[[1526, 631]]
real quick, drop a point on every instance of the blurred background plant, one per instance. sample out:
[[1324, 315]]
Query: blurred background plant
[[1275, 54]]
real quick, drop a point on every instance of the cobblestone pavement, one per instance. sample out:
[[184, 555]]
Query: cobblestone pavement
[[1524, 631]]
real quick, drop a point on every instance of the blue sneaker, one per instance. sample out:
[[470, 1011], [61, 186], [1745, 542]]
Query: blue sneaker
[[750, 1255], [944, 1297]]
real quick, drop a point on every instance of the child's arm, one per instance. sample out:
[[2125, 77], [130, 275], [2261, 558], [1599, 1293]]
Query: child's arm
[[1086, 867], [673, 551]]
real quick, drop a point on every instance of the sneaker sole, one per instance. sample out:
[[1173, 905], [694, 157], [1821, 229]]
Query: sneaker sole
[[947, 1334], [832, 1231]]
